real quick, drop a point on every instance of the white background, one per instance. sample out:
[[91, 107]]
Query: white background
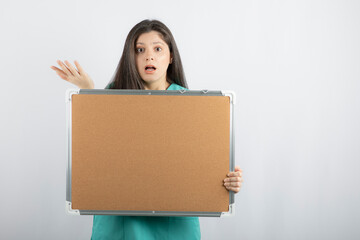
[[294, 66]]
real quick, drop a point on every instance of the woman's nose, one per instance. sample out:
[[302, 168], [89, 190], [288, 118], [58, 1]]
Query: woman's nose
[[148, 57]]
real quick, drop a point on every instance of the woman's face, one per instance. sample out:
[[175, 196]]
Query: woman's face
[[152, 57]]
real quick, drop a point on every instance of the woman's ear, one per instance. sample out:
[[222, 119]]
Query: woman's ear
[[171, 58]]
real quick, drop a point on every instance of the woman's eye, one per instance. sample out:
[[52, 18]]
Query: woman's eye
[[158, 49], [140, 50]]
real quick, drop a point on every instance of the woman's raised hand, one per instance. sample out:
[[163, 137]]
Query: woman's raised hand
[[75, 76]]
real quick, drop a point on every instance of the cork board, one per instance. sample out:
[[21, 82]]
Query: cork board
[[150, 152]]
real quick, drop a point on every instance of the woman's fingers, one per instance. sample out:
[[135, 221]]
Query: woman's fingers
[[60, 73], [237, 173], [234, 180], [63, 76], [234, 174], [234, 189], [233, 184], [71, 68], [75, 76], [57, 69], [81, 70], [64, 67]]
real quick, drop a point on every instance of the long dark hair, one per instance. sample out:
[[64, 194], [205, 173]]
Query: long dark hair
[[126, 75]]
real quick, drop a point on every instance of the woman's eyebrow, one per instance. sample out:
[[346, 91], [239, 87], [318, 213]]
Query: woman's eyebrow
[[158, 43], [140, 43]]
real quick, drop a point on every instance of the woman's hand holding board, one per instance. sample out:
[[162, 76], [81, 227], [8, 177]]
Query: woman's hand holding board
[[234, 180]]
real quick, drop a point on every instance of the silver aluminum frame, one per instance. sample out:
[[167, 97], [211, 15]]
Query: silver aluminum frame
[[68, 97]]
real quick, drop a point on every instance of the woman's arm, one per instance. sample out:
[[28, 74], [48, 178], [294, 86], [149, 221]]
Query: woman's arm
[[234, 180], [75, 76]]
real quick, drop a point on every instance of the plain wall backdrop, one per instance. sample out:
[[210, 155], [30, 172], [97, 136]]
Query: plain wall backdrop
[[294, 66]]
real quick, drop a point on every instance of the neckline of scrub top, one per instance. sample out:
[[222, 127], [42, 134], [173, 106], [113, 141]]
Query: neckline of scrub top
[[175, 86]]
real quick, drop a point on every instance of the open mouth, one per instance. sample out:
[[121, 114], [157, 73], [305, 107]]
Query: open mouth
[[150, 68]]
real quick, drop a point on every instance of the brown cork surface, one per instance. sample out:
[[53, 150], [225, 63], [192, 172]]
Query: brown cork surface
[[150, 153]]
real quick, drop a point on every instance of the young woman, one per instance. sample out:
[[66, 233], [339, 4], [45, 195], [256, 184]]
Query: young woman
[[151, 61]]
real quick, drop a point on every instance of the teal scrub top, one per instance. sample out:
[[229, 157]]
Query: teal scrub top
[[146, 228]]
